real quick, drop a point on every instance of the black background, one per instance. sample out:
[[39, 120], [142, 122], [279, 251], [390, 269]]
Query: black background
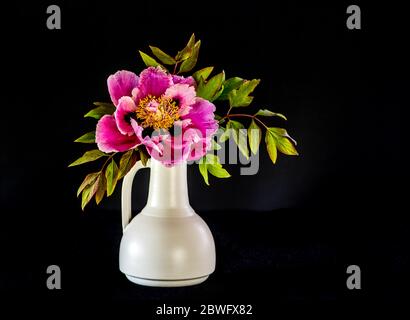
[[293, 228]]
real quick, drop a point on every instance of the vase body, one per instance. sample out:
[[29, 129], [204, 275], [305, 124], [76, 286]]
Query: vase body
[[167, 244]]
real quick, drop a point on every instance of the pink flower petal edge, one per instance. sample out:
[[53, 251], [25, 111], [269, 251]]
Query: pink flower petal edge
[[126, 107], [121, 84], [110, 139]]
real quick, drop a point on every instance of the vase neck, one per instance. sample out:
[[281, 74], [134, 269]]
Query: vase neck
[[168, 189]]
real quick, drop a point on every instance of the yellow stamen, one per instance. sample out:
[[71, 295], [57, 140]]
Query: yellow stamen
[[157, 112]]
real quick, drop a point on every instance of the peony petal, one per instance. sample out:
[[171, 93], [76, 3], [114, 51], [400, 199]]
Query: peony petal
[[198, 149], [110, 139], [180, 79], [121, 84], [151, 143], [202, 117], [153, 81], [174, 151], [184, 95], [126, 107]]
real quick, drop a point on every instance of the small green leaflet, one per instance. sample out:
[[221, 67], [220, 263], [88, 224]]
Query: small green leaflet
[[144, 157], [284, 141], [282, 132], [239, 135], [271, 146], [190, 63], [203, 73], [210, 163], [268, 113], [85, 197], [149, 61], [89, 179], [240, 97], [229, 85], [278, 138], [225, 135], [127, 161], [111, 174], [203, 169], [101, 110], [102, 185], [210, 90], [88, 156], [89, 192], [286, 147], [215, 145], [254, 136], [187, 51], [162, 56], [89, 137]]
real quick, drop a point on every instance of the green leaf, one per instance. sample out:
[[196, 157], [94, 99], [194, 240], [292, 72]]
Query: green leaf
[[101, 110], [286, 147], [88, 193], [187, 51], [218, 171], [203, 73], [210, 163], [111, 174], [190, 63], [225, 135], [239, 136], [127, 161], [89, 137], [144, 156], [268, 113], [85, 197], [218, 94], [104, 104], [214, 166], [240, 97], [88, 156], [229, 85], [208, 90], [203, 169], [282, 132], [149, 61], [278, 138], [212, 159], [254, 136], [215, 145], [89, 179], [162, 56], [271, 146], [101, 187]]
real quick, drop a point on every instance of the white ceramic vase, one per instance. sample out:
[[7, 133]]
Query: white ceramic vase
[[167, 244]]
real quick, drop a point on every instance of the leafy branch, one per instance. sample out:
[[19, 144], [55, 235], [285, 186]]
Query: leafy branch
[[184, 61]]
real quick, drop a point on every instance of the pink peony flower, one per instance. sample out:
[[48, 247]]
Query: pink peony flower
[[160, 111]]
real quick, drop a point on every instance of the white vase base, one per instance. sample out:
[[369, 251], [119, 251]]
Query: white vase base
[[166, 283]]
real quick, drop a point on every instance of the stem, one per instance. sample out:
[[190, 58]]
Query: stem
[[175, 68], [243, 115], [106, 161]]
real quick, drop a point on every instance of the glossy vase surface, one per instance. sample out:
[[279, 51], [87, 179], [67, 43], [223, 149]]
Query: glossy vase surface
[[167, 244]]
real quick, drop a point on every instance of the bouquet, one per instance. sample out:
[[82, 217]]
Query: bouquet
[[170, 116]]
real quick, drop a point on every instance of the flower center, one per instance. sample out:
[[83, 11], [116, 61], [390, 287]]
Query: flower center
[[157, 112]]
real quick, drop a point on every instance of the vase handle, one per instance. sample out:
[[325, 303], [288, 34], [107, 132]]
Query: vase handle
[[126, 192]]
